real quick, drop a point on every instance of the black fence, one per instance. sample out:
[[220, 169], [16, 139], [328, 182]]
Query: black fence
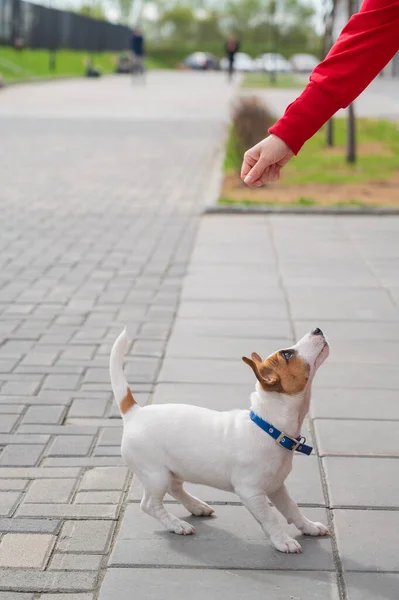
[[34, 26]]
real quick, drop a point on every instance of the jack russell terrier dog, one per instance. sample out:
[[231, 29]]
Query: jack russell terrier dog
[[248, 452]]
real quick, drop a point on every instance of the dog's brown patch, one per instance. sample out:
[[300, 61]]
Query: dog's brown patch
[[127, 402], [278, 374]]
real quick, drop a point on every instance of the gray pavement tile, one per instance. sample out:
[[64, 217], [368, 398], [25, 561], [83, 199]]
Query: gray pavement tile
[[68, 511], [75, 562], [217, 396], [10, 485], [185, 370], [40, 356], [191, 346], [350, 330], [362, 438], [370, 586], [379, 377], [70, 445], [86, 536], [91, 497], [21, 455], [352, 482], [265, 328], [26, 550], [12, 409], [84, 462], [233, 310], [29, 526], [88, 407], [104, 478], [8, 501], [61, 382], [197, 288], [110, 437], [20, 580], [58, 430], [50, 490], [218, 543], [375, 532], [355, 404], [21, 438], [7, 423], [44, 414], [22, 387], [378, 352], [153, 584]]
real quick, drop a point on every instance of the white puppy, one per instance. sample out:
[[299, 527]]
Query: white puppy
[[246, 452]]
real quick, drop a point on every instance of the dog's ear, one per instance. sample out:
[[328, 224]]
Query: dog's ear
[[268, 378]]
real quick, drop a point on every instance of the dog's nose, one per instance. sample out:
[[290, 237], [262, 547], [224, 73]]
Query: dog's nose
[[317, 331]]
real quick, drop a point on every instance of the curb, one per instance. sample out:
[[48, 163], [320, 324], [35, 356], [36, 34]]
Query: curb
[[242, 209]]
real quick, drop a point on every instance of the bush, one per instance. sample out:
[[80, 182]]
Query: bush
[[251, 120]]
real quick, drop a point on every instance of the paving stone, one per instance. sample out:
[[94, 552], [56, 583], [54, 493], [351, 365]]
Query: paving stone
[[58, 430], [110, 437], [98, 497], [88, 408], [232, 310], [38, 473], [29, 526], [44, 414], [61, 382], [370, 586], [66, 596], [380, 377], [78, 352], [8, 501], [13, 484], [7, 422], [107, 451], [86, 536], [94, 422], [351, 482], [104, 479], [15, 596], [185, 370], [75, 562], [90, 461], [41, 356], [21, 580], [68, 511], [220, 347], [376, 532], [209, 395], [357, 438], [21, 455], [355, 404], [29, 551], [219, 543], [50, 490], [18, 438], [70, 445], [236, 328], [153, 584], [12, 409], [21, 388]]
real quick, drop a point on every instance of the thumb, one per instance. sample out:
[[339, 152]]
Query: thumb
[[257, 170]]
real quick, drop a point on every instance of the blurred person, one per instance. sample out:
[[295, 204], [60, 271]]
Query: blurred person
[[138, 50], [231, 48], [365, 46]]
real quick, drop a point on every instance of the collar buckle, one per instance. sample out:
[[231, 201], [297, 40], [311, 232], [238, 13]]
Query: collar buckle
[[283, 437]]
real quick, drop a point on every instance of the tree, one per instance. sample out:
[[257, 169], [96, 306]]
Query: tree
[[351, 139], [179, 20], [95, 11], [125, 8]]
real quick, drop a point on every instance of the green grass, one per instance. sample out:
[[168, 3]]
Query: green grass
[[27, 64], [316, 164], [262, 80]]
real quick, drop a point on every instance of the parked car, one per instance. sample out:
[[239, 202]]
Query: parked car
[[272, 62], [242, 62], [201, 61], [304, 63]]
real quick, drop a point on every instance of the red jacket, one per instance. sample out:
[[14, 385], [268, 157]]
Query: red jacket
[[365, 46]]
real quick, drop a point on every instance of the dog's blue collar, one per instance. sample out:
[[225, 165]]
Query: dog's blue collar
[[282, 439]]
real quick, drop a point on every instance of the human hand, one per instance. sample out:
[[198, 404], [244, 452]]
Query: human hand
[[263, 162]]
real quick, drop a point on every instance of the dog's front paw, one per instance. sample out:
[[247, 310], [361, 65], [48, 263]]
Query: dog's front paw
[[314, 528], [284, 543], [182, 527], [201, 509]]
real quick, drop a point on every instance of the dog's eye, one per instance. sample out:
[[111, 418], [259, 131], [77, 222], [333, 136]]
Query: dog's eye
[[287, 354]]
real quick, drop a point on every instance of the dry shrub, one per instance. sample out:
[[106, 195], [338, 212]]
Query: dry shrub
[[251, 120]]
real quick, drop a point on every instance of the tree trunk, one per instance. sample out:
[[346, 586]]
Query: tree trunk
[[327, 43], [351, 123]]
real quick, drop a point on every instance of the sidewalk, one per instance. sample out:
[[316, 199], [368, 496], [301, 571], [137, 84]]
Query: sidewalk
[[101, 193], [255, 284]]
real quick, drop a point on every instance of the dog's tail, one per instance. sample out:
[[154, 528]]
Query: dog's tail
[[120, 387]]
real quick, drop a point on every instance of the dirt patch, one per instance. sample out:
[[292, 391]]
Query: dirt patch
[[373, 193]]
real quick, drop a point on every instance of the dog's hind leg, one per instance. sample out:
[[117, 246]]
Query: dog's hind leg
[[194, 505], [155, 488]]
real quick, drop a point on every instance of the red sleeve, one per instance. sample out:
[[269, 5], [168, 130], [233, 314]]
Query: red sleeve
[[364, 47]]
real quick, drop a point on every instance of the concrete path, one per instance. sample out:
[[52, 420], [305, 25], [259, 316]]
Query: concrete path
[[99, 218], [379, 100]]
